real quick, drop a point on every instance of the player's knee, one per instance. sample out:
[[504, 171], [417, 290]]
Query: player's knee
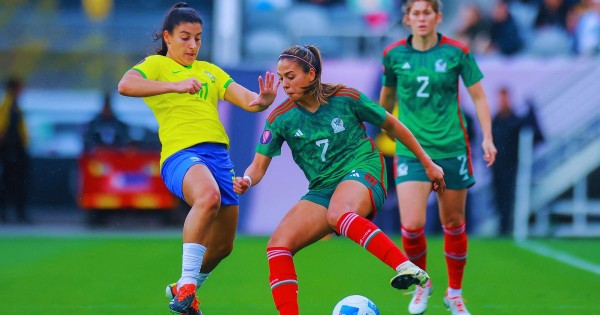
[[278, 240], [208, 201], [333, 217]]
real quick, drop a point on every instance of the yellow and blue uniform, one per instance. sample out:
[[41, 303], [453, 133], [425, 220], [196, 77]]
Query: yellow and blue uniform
[[184, 119], [190, 130]]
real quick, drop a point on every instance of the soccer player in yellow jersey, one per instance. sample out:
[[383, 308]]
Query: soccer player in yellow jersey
[[183, 94]]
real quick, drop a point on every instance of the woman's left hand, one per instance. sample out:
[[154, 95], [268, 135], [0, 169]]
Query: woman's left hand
[[268, 90], [489, 152]]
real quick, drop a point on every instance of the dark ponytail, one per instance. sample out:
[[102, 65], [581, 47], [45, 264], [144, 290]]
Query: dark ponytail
[[177, 14]]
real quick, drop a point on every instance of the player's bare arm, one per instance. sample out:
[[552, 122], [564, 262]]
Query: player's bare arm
[[134, 84], [250, 101], [397, 130], [387, 98], [482, 108], [253, 174]]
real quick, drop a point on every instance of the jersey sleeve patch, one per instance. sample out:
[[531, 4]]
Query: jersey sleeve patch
[[266, 137]]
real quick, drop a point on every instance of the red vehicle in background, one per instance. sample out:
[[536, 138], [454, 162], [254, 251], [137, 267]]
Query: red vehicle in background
[[121, 179], [118, 173]]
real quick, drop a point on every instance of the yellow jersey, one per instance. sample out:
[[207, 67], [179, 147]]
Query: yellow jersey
[[183, 119]]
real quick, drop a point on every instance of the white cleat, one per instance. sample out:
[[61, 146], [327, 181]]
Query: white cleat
[[456, 305], [418, 304], [409, 274]]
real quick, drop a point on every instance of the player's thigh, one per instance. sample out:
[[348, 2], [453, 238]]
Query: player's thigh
[[199, 184], [412, 201], [350, 196], [302, 225], [452, 205]]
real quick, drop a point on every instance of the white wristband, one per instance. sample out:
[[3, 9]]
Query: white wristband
[[249, 180]]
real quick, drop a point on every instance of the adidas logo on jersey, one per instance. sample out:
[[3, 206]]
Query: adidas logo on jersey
[[406, 66], [299, 134]]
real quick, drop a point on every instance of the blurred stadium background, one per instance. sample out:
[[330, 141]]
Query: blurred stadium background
[[70, 53]]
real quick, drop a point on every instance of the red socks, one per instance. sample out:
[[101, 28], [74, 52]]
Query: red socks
[[455, 250], [415, 246], [369, 236], [284, 281]]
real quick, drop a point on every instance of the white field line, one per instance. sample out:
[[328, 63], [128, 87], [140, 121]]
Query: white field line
[[560, 256]]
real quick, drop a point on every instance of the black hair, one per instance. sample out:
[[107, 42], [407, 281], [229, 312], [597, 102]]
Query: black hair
[[179, 13]]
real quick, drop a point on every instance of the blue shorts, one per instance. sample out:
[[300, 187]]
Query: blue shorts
[[215, 156]]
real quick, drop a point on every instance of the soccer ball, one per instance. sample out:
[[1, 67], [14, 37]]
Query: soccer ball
[[355, 305]]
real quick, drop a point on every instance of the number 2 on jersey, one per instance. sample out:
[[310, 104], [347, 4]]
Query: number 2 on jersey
[[424, 80]]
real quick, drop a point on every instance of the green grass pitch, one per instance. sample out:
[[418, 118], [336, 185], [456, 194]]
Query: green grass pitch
[[126, 274]]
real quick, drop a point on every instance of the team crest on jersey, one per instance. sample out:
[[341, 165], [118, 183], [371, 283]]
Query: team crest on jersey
[[440, 65], [212, 77], [266, 137], [337, 124], [402, 170]]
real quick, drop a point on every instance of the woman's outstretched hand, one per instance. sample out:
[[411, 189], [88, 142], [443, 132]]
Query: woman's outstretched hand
[[267, 90]]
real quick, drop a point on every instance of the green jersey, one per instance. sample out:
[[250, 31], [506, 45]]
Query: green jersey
[[427, 86], [330, 142]]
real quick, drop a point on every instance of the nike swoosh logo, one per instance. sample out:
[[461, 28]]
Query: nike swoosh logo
[[176, 71]]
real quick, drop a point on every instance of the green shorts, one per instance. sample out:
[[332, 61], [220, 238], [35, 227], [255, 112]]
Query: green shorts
[[376, 191], [458, 171]]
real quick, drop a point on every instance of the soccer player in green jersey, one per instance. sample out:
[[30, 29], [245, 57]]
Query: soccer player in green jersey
[[323, 126], [183, 94], [421, 74]]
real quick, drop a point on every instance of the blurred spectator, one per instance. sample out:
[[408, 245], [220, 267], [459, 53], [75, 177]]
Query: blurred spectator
[[323, 2], [268, 4], [504, 33], [583, 23], [106, 130], [474, 30], [506, 127], [14, 157], [376, 13], [553, 13]]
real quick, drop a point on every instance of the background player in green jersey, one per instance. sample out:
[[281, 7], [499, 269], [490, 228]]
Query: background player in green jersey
[[183, 94], [323, 126], [421, 74]]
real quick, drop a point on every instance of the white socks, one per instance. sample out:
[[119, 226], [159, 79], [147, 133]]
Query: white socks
[[191, 262], [453, 292]]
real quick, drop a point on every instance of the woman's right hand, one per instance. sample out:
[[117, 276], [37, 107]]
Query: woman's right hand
[[436, 175], [240, 185], [191, 85]]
